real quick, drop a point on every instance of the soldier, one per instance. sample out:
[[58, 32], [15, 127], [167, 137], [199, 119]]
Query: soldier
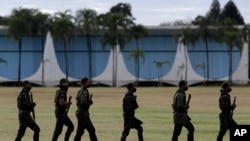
[[180, 108], [84, 101], [25, 106], [129, 107], [61, 105], [226, 120]]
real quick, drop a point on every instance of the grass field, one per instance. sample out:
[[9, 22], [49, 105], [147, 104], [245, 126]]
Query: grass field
[[106, 113]]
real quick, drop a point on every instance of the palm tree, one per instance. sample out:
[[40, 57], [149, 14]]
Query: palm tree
[[116, 24], [159, 65], [138, 32], [115, 31], [232, 36], [87, 23], [246, 33], [206, 32], [3, 61], [21, 23], [186, 37], [43, 24], [63, 27], [136, 54], [203, 67]]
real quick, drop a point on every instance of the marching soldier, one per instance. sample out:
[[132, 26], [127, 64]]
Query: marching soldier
[[129, 107], [84, 101], [226, 120], [25, 106], [62, 105], [180, 108]]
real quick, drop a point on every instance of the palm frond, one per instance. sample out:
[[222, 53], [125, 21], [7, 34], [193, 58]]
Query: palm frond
[[3, 61]]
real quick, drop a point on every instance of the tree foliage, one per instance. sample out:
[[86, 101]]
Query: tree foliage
[[230, 11], [214, 12]]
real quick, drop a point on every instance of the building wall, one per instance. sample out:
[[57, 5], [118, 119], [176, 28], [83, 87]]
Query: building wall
[[156, 48]]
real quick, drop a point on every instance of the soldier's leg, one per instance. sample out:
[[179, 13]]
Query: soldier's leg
[[139, 129], [70, 129], [223, 129], [20, 133], [58, 128], [23, 121], [177, 132], [190, 128], [80, 129], [127, 127], [91, 129], [36, 130]]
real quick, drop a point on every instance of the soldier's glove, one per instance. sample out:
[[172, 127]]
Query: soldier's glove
[[233, 106], [34, 104]]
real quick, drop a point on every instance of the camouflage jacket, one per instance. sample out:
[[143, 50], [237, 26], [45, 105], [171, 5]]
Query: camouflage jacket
[[180, 107], [225, 103], [60, 97], [83, 100], [24, 101], [129, 104]]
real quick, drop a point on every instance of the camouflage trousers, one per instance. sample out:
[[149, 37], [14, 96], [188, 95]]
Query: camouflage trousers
[[84, 122], [25, 120], [60, 121], [226, 123], [129, 123], [178, 128]]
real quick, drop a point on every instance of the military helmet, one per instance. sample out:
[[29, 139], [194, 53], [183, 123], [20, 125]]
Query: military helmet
[[225, 84], [63, 80], [182, 82], [25, 82], [130, 85]]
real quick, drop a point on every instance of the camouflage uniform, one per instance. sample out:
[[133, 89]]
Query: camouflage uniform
[[130, 121], [226, 121], [83, 103], [180, 116], [25, 120], [61, 116]]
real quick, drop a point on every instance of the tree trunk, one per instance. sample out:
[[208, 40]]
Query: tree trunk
[[114, 66], [229, 50], [161, 76], [231, 65], [66, 42], [207, 55], [138, 64], [89, 45], [43, 59], [186, 65], [19, 60]]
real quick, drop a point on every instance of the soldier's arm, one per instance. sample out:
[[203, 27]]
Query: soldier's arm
[[26, 102], [61, 100], [225, 104], [135, 103], [84, 99], [180, 102]]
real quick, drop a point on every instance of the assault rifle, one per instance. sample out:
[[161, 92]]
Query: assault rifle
[[68, 106], [33, 109], [188, 101], [232, 112]]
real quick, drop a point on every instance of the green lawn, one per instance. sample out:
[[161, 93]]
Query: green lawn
[[106, 113]]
